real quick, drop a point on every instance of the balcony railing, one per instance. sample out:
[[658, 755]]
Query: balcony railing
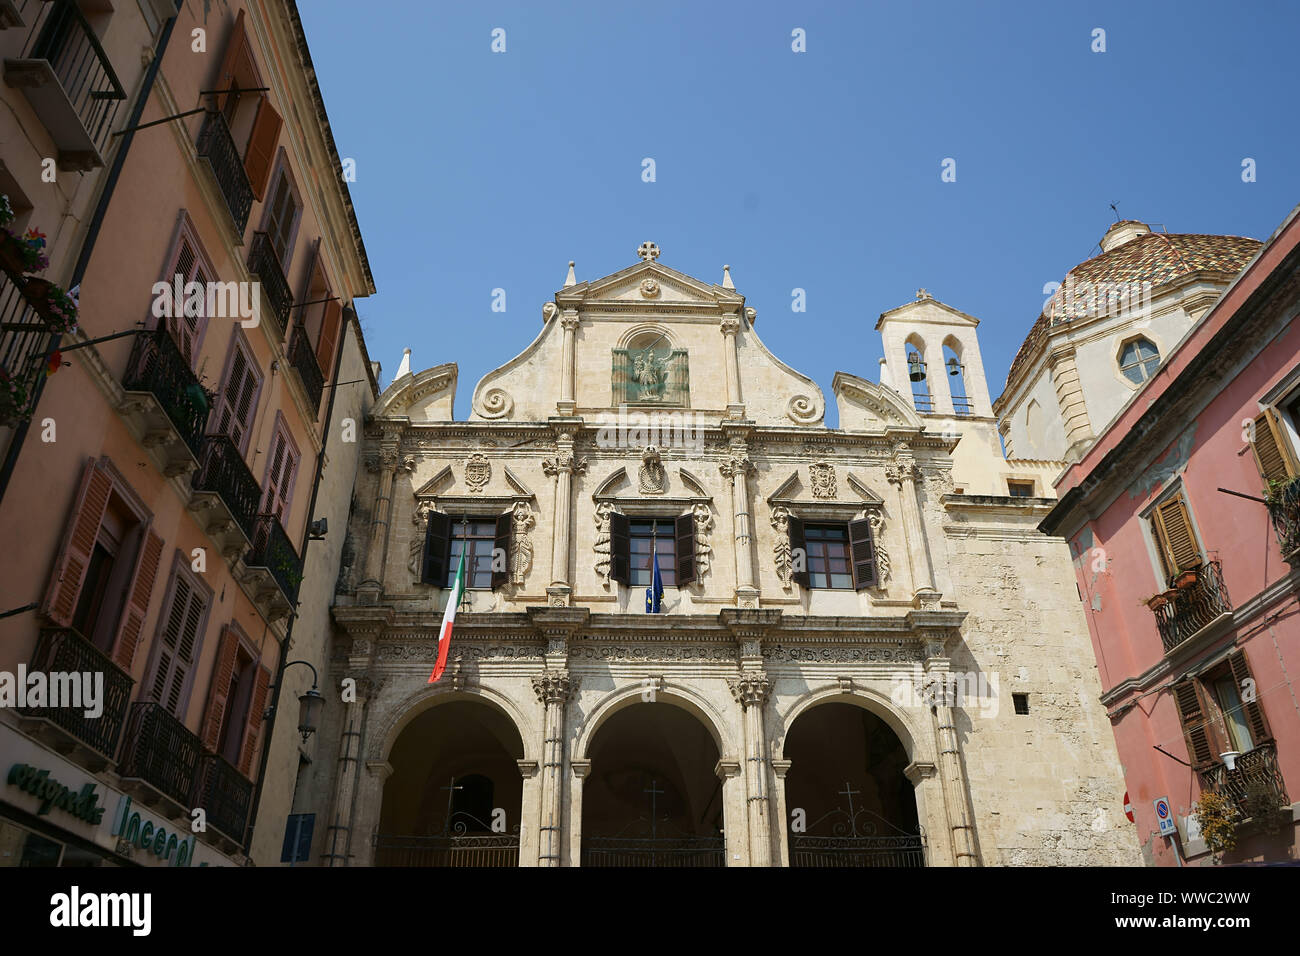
[[303, 358], [962, 405], [224, 794], [468, 850], [62, 650], [1185, 610], [222, 470], [69, 80], [160, 751], [1255, 784], [273, 550], [1284, 509], [923, 401], [158, 367], [217, 146], [264, 263], [23, 339]]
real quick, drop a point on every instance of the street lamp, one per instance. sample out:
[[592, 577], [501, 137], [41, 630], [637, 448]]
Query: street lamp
[[310, 704]]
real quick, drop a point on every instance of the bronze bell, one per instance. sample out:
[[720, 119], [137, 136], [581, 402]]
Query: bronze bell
[[915, 367]]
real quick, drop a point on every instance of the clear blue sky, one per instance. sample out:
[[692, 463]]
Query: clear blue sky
[[818, 170]]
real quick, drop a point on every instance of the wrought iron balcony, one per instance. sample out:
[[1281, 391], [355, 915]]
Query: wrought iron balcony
[[303, 359], [23, 340], [962, 405], [264, 264], [157, 367], [62, 650], [160, 752], [217, 146], [222, 471], [461, 850], [923, 401], [273, 550], [69, 81], [1255, 784], [224, 794], [1187, 609], [1284, 510]]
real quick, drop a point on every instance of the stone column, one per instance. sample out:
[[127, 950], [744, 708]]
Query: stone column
[[941, 692], [562, 468], [581, 769], [734, 820], [553, 688], [751, 691], [781, 768], [340, 845], [736, 469], [1069, 396], [569, 323], [388, 464], [930, 810], [902, 471], [730, 326], [529, 809]]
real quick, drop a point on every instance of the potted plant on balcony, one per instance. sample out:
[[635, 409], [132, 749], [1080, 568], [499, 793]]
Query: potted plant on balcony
[[1185, 579], [56, 307], [20, 255], [15, 396], [1218, 817], [6, 211], [1157, 601]]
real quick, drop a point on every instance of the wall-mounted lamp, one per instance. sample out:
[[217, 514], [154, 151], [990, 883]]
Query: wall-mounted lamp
[[317, 529], [310, 704]]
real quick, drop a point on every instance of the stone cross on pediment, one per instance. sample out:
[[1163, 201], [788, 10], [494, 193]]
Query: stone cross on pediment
[[648, 251]]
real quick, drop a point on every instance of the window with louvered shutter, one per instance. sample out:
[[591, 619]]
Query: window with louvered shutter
[[280, 473], [798, 551], [501, 549], [862, 554], [1272, 448], [238, 402], [261, 147], [331, 328], [180, 629], [684, 531], [282, 215], [1196, 726], [437, 546], [620, 548], [1176, 538], [1248, 692]]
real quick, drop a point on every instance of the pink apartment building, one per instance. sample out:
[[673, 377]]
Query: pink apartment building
[[1184, 522]]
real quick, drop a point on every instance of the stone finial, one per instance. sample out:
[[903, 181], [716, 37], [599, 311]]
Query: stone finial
[[405, 367], [570, 279], [726, 278], [648, 251]]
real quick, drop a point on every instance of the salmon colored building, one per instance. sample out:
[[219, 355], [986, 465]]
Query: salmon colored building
[[163, 494], [1184, 522]]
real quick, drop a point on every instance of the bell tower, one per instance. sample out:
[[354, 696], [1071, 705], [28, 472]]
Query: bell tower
[[932, 358]]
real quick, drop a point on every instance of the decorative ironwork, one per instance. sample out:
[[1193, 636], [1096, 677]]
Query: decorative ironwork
[[63, 650], [24, 338], [1284, 510], [651, 842], [456, 849], [273, 550], [962, 405], [217, 146], [156, 366], [1186, 610], [303, 359], [857, 838], [160, 751], [1255, 784], [224, 793], [923, 401], [222, 470], [68, 43], [264, 263]]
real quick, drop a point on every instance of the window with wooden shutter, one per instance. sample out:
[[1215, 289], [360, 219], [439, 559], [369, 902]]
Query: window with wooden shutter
[[254, 723], [180, 630], [281, 470], [1196, 725], [238, 402], [232, 63], [1175, 537], [1273, 454], [1248, 693], [282, 214], [684, 532], [223, 668], [331, 328], [501, 550], [620, 548], [78, 543], [261, 147], [139, 591], [437, 546], [798, 551], [862, 554]]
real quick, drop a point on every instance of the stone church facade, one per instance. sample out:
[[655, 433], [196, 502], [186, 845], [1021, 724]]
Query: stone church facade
[[860, 657]]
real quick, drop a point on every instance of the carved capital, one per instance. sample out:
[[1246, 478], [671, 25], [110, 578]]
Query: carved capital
[[730, 324], [569, 320], [736, 465], [564, 461], [902, 468], [750, 689], [554, 686]]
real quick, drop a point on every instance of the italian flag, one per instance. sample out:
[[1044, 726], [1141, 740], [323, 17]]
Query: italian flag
[[448, 619]]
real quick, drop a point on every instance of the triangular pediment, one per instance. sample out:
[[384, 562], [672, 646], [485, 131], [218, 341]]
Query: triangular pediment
[[648, 285], [928, 310]]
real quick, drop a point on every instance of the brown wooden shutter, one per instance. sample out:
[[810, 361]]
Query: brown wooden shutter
[[255, 711], [329, 336], [179, 631], [798, 551], [1176, 535], [237, 407], [261, 146], [1251, 709], [230, 60], [78, 542], [1192, 713], [862, 554], [1273, 454], [501, 550], [437, 549], [184, 328], [684, 532], [620, 548], [223, 668], [139, 592]]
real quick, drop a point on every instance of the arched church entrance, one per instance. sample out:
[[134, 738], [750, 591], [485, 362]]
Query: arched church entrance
[[849, 802], [455, 793], [653, 797]]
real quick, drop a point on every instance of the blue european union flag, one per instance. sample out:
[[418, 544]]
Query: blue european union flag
[[655, 593]]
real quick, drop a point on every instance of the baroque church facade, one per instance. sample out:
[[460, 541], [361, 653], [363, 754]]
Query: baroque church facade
[[865, 654]]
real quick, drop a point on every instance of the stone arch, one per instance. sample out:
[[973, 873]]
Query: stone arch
[[406, 710], [631, 334], [675, 694], [903, 726]]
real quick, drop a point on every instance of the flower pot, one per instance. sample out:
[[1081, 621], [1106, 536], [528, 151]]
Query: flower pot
[[1186, 579], [1157, 601], [11, 254]]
